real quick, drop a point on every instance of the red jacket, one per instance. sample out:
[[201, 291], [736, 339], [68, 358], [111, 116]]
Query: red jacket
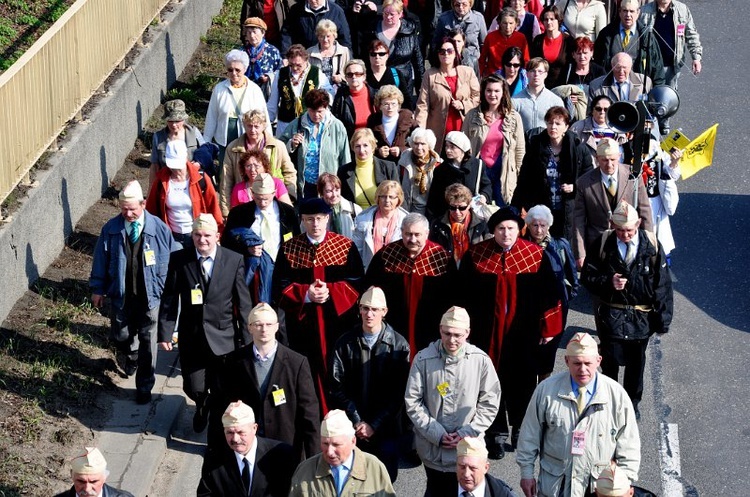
[[491, 56], [203, 201]]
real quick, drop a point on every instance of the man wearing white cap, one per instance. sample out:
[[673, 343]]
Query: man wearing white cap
[[598, 193], [367, 379], [626, 270], [275, 381], [130, 261], [341, 469], [271, 221], [576, 423], [89, 474], [452, 393], [206, 283], [472, 468], [255, 466]]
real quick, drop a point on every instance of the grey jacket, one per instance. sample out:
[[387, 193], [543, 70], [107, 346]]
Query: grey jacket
[[469, 405], [681, 15]]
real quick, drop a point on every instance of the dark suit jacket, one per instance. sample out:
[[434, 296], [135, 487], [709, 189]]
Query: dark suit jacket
[[295, 422], [592, 209], [107, 491], [272, 472], [496, 487], [243, 216], [384, 169], [219, 325]]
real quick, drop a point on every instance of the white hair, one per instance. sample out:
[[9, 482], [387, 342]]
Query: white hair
[[237, 56], [425, 135], [415, 218], [540, 212]]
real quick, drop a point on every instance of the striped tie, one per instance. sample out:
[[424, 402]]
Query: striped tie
[[134, 233]]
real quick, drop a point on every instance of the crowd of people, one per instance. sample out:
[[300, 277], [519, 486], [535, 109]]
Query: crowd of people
[[384, 258]]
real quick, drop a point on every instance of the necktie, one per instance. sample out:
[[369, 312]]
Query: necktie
[[134, 232], [466, 493], [624, 97], [612, 187], [338, 478], [630, 254], [204, 273], [581, 400], [246, 474], [265, 232], [626, 39]]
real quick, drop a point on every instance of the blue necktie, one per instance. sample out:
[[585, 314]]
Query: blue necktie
[[338, 478], [134, 233]]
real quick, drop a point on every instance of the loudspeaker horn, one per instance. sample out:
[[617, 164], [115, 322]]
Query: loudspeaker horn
[[622, 117], [663, 101]]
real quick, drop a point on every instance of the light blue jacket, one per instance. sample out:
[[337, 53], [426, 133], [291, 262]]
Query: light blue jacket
[[110, 259]]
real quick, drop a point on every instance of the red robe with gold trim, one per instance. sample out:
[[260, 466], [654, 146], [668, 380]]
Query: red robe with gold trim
[[312, 329], [418, 290], [512, 301]]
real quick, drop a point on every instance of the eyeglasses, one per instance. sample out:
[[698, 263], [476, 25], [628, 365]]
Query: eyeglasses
[[354, 74], [378, 54], [458, 207], [538, 72], [601, 109], [446, 51], [389, 104], [514, 65]]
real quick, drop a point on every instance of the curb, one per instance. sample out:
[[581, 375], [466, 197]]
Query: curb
[[135, 438]]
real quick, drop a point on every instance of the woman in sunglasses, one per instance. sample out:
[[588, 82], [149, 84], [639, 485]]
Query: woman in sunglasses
[[353, 102], [380, 74], [449, 90], [458, 228], [595, 127], [513, 71]]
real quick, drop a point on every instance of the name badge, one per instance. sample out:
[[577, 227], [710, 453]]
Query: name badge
[[278, 397], [680, 30], [578, 447], [444, 389], [150, 257], [287, 236], [196, 296]]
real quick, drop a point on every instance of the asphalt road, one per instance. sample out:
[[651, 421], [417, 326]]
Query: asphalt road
[[695, 430]]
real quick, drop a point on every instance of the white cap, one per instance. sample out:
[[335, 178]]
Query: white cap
[[456, 317], [237, 414], [90, 463], [132, 191], [176, 154], [336, 423]]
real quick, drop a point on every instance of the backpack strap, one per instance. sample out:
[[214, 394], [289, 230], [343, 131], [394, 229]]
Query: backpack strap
[[395, 76]]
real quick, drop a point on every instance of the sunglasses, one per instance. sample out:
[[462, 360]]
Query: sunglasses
[[354, 74], [514, 65], [601, 109], [378, 54], [446, 51], [458, 207]]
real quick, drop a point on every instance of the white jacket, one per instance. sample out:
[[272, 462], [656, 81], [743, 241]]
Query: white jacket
[[547, 433], [222, 103], [665, 205]]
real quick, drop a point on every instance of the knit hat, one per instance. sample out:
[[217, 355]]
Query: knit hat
[[460, 140], [261, 310], [90, 463], [335, 424], [205, 222], [237, 414], [132, 191], [456, 317], [374, 297], [472, 447], [263, 183], [582, 344], [625, 216], [176, 154]]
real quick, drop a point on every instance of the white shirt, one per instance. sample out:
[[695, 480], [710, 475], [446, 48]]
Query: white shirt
[[606, 177], [250, 459], [208, 264], [179, 207], [623, 247], [140, 221], [477, 492]]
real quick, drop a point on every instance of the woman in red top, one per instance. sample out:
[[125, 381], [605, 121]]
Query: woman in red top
[[554, 46], [497, 42]]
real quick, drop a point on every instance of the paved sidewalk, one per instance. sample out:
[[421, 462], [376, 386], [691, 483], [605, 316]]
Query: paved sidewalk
[[134, 440]]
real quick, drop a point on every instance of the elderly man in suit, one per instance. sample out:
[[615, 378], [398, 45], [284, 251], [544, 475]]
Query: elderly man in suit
[[206, 283], [275, 381], [89, 474], [599, 192], [255, 466], [622, 84]]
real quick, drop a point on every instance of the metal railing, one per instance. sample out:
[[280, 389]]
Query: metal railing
[[52, 81]]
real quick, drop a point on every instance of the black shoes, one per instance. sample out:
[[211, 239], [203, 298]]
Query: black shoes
[[142, 398], [131, 366], [200, 419]]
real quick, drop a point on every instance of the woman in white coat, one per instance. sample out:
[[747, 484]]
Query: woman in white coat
[[379, 225]]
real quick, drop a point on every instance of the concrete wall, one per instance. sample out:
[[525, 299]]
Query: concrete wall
[[95, 149]]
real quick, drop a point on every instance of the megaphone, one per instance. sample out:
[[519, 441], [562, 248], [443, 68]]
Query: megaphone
[[663, 101], [623, 117]]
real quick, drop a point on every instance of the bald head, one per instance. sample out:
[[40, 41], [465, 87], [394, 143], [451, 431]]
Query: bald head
[[622, 64]]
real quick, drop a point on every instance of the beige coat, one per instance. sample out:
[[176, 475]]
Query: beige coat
[[313, 478], [514, 146], [231, 174], [435, 99]]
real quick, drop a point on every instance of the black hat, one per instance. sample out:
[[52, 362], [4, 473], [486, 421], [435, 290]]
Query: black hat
[[314, 206], [505, 214]]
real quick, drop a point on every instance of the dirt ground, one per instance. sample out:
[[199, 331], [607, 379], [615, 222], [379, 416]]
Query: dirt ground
[[58, 372]]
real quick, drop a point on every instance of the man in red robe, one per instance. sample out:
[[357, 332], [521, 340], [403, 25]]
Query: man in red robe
[[509, 287], [316, 284], [417, 277]]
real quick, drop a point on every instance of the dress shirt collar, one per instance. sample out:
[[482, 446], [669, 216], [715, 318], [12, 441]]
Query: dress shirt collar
[[250, 458], [268, 356], [477, 492]]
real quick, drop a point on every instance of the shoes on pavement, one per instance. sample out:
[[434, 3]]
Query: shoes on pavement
[[142, 398], [131, 366]]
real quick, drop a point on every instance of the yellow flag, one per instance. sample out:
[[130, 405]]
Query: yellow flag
[[699, 153]]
